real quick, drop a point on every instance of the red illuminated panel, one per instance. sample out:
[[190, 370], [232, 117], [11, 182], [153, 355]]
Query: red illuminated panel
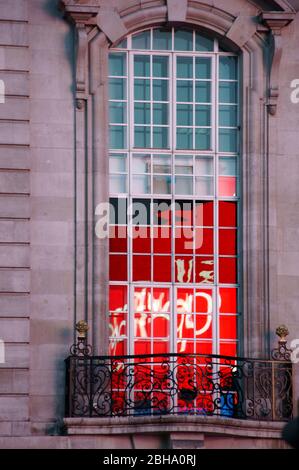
[[141, 239], [185, 326], [118, 268], [142, 299], [204, 300], [204, 243], [117, 347], [142, 347], [162, 268], [227, 186], [117, 325], [228, 300], [204, 269], [185, 347], [204, 214], [203, 328], [185, 301], [118, 299], [160, 347], [161, 301], [142, 325], [162, 240], [184, 269], [118, 239], [203, 347], [184, 240], [184, 213], [227, 242], [228, 349], [228, 270], [160, 325], [141, 268], [228, 327], [227, 214]]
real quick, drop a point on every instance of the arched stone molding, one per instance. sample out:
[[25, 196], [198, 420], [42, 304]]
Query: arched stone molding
[[249, 36]]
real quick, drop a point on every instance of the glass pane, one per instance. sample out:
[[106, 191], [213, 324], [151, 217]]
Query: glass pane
[[117, 89], [122, 44], [162, 164], [142, 40], [142, 89], [202, 139], [228, 92], [117, 163], [228, 140], [227, 242], [228, 116], [141, 184], [117, 113], [203, 115], [142, 137], [142, 114], [184, 138], [227, 166], [118, 137], [183, 165], [184, 90], [160, 90], [183, 40], [202, 68], [118, 183], [160, 137], [118, 268], [227, 214], [203, 44], [162, 39], [204, 166], [228, 68], [227, 186], [160, 66], [184, 114], [117, 64], [160, 113], [204, 186], [184, 67], [141, 163], [162, 184], [184, 185], [141, 268], [142, 65], [203, 92], [228, 270], [227, 300]]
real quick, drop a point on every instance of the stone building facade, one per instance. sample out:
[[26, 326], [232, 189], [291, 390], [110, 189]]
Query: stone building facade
[[54, 172]]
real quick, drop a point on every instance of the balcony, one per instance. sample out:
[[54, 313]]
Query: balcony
[[178, 384]]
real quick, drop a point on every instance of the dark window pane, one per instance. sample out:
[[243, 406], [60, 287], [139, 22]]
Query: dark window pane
[[162, 268], [118, 268], [141, 268]]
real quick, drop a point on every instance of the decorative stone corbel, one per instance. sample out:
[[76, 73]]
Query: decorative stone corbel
[[276, 21]]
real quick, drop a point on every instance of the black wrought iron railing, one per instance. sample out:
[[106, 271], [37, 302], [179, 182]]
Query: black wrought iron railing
[[178, 384]]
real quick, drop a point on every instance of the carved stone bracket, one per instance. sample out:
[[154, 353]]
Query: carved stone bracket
[[276, 21]]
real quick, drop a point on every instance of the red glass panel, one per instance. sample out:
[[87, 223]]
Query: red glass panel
[[185, 347], [184, 213], [142, 325], [203, 300], [228, 300], [184, 269], [118, 268], [227, 186], [228, 349], [141, 239], [203, 347], [161, 301], [118, 239], [227, 242], [162, 239], [185, 301], [204, 214], [141, 268], [142, 299], [162, 212], [228, 327], [162, 268], [185, 326], [204, 269], [227, 214], [117, 325], [160, 347], [184, 240], [118, 298], [204, 243], [203, 326], [118, 402], [228, 270], [117, 347], [142, 347], [160, 325]]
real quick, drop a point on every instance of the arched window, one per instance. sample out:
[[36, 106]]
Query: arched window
[[174, 192]]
